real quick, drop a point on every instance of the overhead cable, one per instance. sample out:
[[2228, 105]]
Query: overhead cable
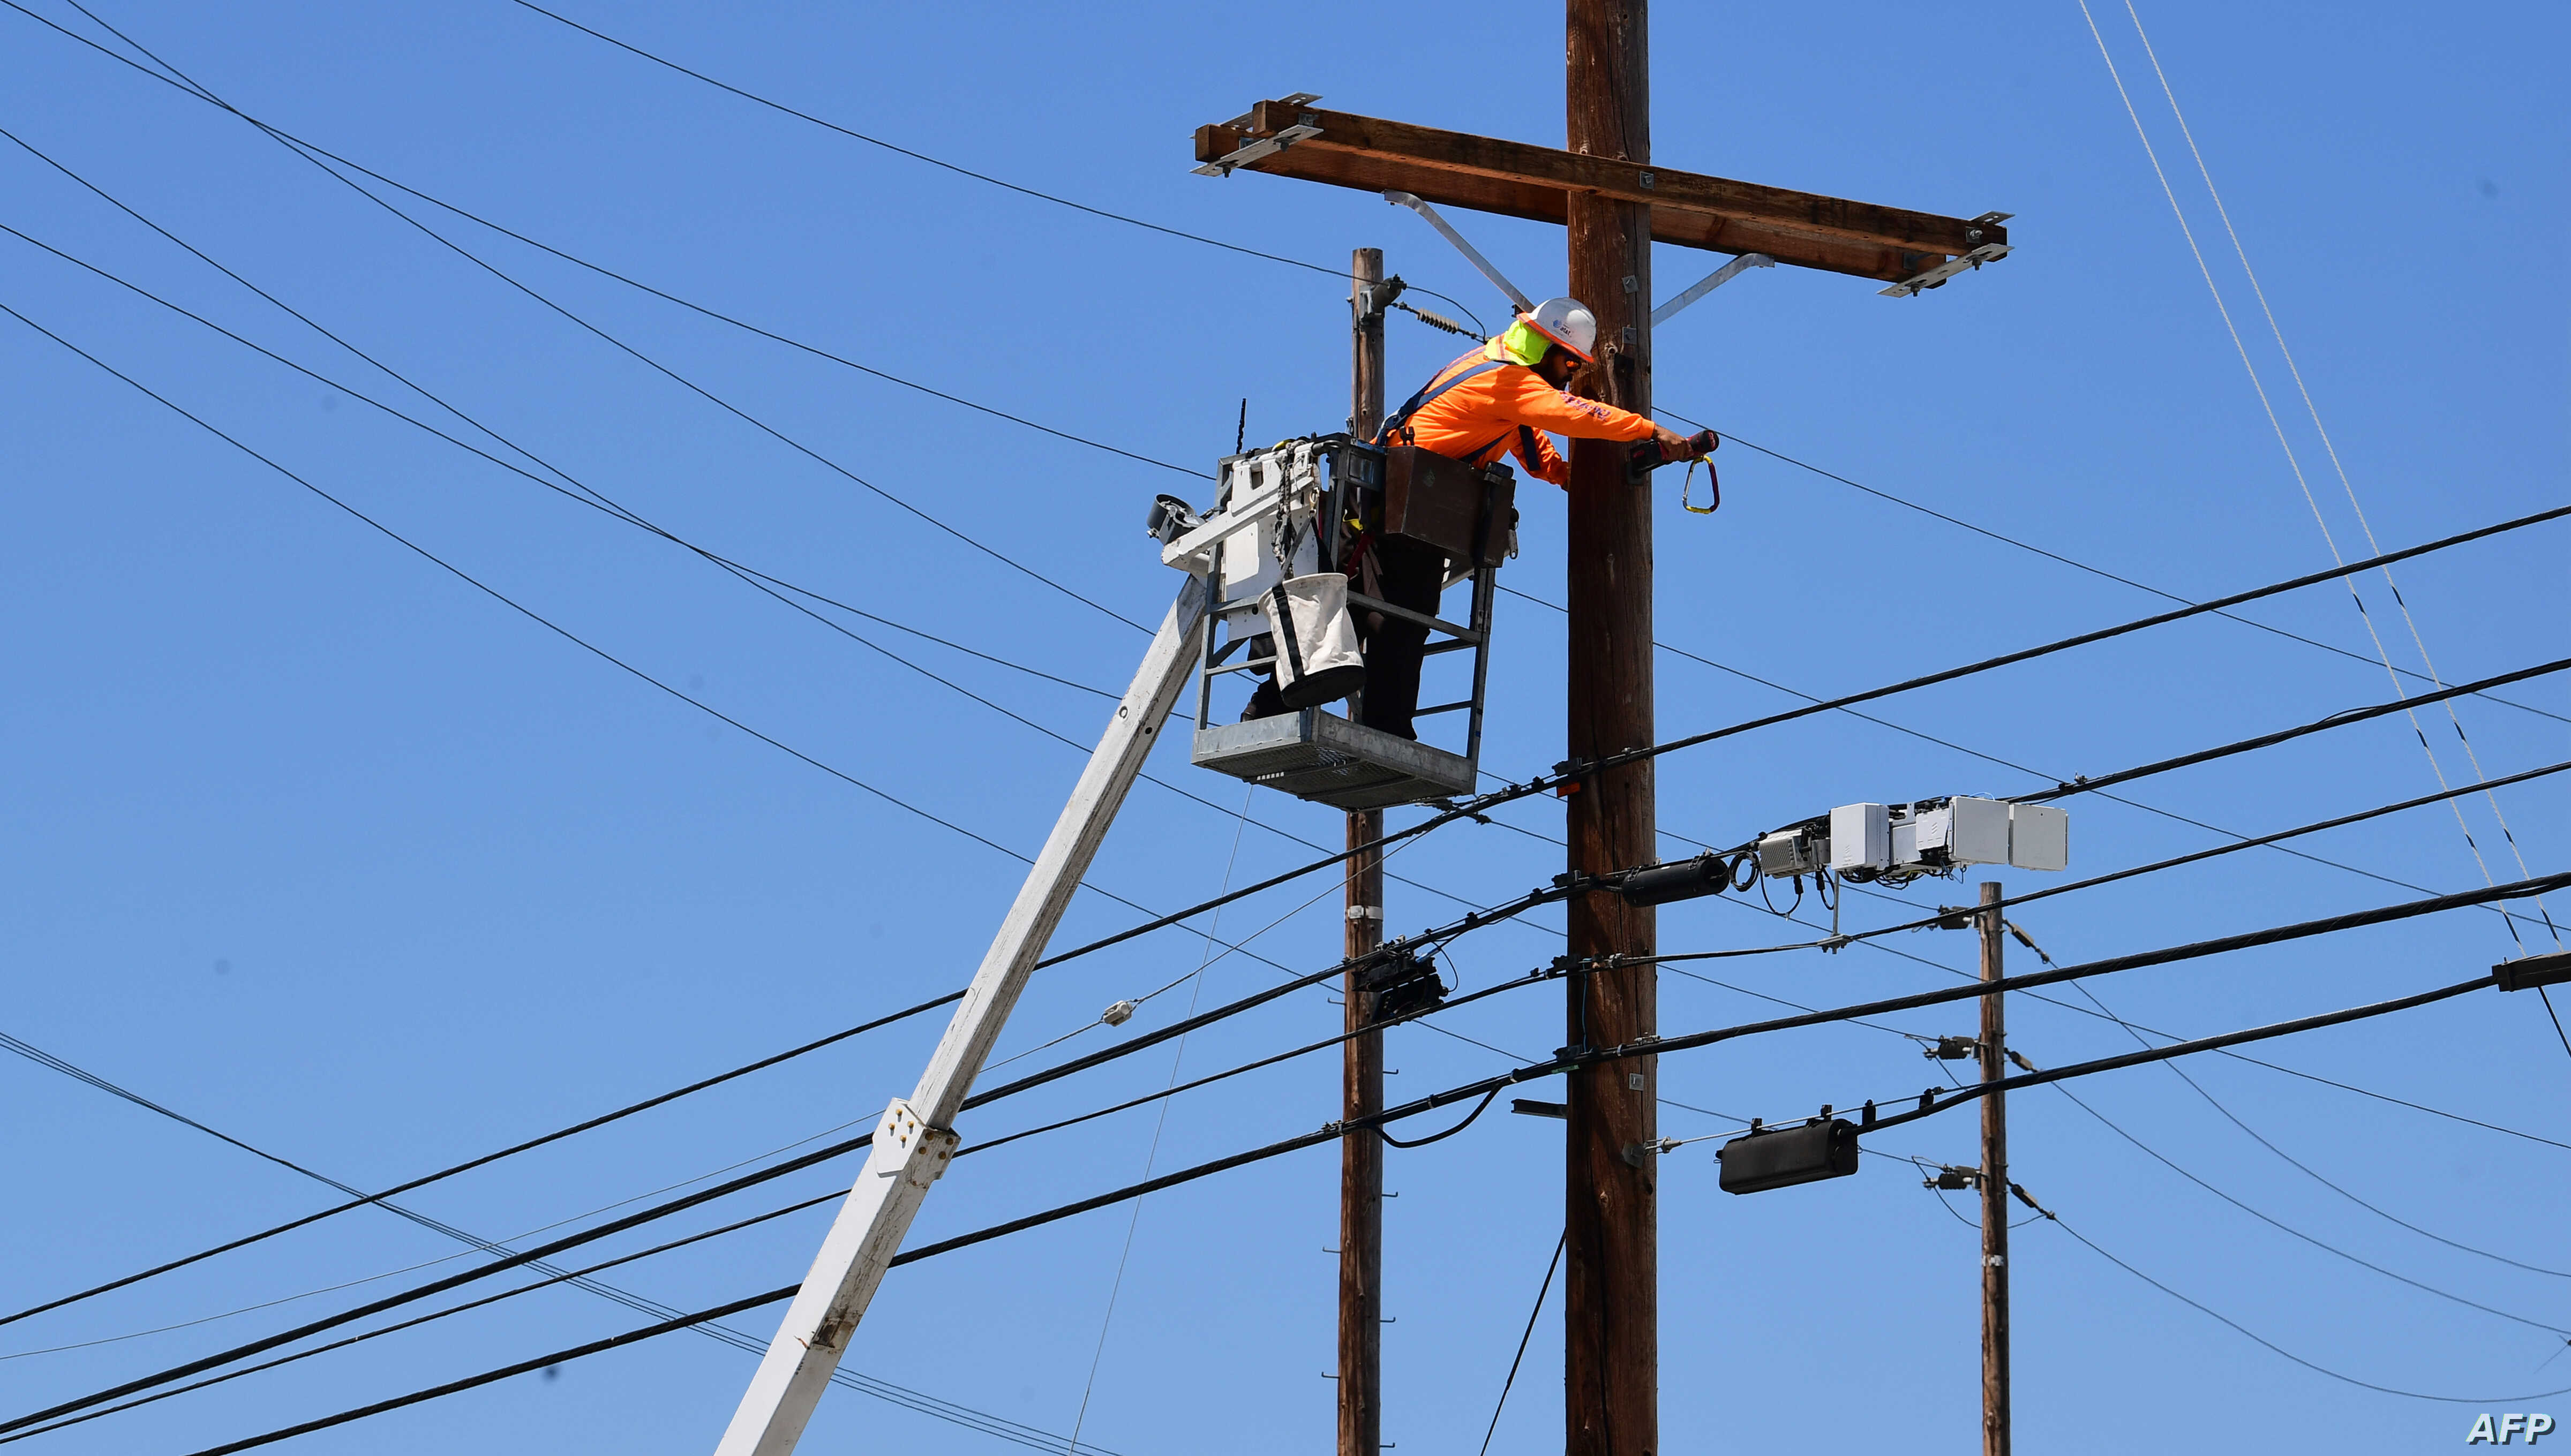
[[602, 653], [833, 1195], [1339, 274], [2075, 564], [589, 497], [1973, 1091], [439, 1287], [298, 144], [2154, 868], [2248, 745], [984, 176], [2275, 1348], [1541, 1291], [2291, 1160], [361, 1201], [1485, 1088], [1573, 772], [921, 1402], [578, 492], [1578, 1059], [2286, 1228], [2193, 950], [1995, 758], [522, 1368], [602, 503], [2295, 465]]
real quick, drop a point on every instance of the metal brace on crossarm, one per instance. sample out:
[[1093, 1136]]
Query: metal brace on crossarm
[[1710, 282], [1471, 253], [1304, 126], [1936, 276]]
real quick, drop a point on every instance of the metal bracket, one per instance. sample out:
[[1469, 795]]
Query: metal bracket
[[1252, 151], [1472, 255], [1712, 281], [1937, 276]]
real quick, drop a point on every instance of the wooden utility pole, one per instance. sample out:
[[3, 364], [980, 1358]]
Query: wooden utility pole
[[1611, 1264], [1361, 1076], [1614, 201], [1995, 1213]]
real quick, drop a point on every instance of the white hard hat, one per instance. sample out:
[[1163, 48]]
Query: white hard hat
[[1568, 322]]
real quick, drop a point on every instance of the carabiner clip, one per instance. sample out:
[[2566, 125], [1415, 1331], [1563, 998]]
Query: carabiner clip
[[1714, 483]]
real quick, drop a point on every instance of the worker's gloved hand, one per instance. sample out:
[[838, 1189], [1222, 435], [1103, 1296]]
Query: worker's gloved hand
[[1672, 445], [1700, 446]]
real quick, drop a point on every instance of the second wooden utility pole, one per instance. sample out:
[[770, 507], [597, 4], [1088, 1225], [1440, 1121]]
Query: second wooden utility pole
[[1361, 1076], [1995, 1213], [1611, 1265]]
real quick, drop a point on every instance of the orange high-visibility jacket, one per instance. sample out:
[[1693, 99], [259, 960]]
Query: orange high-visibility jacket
[[1505, 408]]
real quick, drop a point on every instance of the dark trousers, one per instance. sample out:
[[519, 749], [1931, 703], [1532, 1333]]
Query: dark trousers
[[1410, 575]]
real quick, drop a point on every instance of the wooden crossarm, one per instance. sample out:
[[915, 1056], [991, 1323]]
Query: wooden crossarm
[[1455, 169]]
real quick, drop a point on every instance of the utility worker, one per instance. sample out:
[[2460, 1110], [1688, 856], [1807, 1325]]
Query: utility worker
[[1499, 399]]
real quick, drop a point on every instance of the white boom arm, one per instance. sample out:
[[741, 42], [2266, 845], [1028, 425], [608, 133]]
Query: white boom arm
[[913, 1143]]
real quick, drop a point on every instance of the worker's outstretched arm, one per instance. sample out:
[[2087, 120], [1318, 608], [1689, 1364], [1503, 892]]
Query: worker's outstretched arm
[[1529, 400]]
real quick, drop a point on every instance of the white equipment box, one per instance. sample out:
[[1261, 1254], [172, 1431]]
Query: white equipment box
[[1938, 835]]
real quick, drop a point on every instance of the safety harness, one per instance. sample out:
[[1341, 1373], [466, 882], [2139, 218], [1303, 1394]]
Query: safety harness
[[1400, 426]]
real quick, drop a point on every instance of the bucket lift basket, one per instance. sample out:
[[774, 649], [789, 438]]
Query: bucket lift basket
[[1302, 492]]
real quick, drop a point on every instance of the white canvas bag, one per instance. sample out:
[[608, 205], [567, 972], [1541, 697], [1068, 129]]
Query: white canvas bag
[[1317, 643]]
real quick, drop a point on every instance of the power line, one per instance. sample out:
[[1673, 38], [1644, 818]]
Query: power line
[[497, 273], [2077, 565], [2293, 462], [599, 500], [1488, 1087], [2276, 1348], [984, 176], [1572, 772], [487, 1299], [558, 1357], [1972, 1092], [2174, 862], [2134, 1026], [359, 1201], [2245, 746], [439, 1287], [1437, 936], [617, 661], [302, 147], [595, 500], [2309, 1172], [880, 1390], [2285, 1227], [1039, 1079], [2059, 644], [1541, 1291], [1416, 1018], [1572, 1059], [1339, 274], [580, 493], [2193, 950], [473, 1243], [2005, 763], [189, 85]]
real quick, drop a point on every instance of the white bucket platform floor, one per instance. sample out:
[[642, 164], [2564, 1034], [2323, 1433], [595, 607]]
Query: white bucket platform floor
[[1318, 756]]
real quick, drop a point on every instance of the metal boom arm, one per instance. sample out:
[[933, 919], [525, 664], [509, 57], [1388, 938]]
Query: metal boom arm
[[913, 1142]]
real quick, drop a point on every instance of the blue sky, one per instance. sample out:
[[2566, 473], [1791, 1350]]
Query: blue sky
[[310, 841]]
